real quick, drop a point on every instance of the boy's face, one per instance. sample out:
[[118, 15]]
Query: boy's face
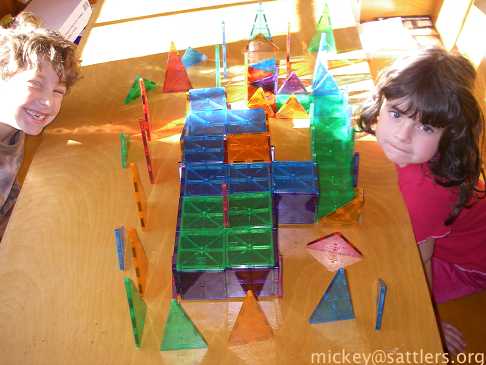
[[31, 98], [403, 139]]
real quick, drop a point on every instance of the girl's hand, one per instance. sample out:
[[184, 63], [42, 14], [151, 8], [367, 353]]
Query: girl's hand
[[454, 339]]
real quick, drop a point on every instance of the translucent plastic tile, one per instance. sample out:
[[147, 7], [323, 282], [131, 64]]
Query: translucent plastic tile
[[323, 27], [137, 309], [268, 83], [330, 200], [252, 247], [247, 178], [251, 325], [192, 57], [304, 99], [180, 333], [206, 99], [251, 210], [176, 79], [204, 123], [292, 85], [294, 177], [296, 208], [268, 65], [259, 101], [201, 250], [203, 149], [248, 147], [260, 25], [380, 303], [134, 92], [203, 178], [335, 305], [201, 284], [246, 121], [292, 109], [263, 282], [202, 212]]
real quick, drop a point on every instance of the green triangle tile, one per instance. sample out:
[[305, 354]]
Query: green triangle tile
[[180, 333], [134, 91], [137, 308]]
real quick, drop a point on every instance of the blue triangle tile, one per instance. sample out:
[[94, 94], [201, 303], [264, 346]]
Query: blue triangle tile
[[335, 305], [192, 57]]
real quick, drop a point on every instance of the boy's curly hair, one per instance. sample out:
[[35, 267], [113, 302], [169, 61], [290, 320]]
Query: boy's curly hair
[[439, 87], [25, 43]]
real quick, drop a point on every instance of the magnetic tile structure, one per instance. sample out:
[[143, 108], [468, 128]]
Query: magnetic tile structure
[[233, 195], [332, 139]]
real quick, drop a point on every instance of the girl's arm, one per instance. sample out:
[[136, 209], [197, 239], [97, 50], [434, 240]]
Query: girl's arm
[[426, 249]]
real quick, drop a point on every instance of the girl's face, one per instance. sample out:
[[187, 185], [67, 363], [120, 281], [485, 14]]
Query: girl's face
[[405, 140], [31, 98]]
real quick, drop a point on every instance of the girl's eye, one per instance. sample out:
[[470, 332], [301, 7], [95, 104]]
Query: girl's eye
[[427, 128], [395, 114], [61, 92]]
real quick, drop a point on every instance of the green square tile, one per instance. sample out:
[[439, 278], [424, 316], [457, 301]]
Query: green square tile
[[250, 247], [250, 210], [202, 212], [201, 250]]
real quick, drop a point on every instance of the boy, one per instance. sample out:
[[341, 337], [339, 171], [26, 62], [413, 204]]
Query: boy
[[37, 67]]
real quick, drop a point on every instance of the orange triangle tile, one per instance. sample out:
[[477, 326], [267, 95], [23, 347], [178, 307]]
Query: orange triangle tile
[[292, 109], [139, 259], [259, 100], [350, 212], [251, 324]]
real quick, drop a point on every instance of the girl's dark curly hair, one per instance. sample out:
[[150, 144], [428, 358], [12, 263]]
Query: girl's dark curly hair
[[439, 87]]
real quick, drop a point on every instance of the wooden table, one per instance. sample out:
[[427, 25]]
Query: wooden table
[[62, 299]]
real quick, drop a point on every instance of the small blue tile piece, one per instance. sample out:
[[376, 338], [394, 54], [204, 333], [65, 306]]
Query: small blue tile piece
[[249, 177], [120, 247], [335, 305], [380, 303]]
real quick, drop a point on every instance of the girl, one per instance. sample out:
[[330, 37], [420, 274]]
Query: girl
[[429, 123], [37, 67]]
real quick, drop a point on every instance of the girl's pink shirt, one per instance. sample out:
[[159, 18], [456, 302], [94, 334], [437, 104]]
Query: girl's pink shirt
[[464, 242]]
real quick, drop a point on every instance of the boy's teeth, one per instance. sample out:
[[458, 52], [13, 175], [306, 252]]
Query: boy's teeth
[[35, 115]]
